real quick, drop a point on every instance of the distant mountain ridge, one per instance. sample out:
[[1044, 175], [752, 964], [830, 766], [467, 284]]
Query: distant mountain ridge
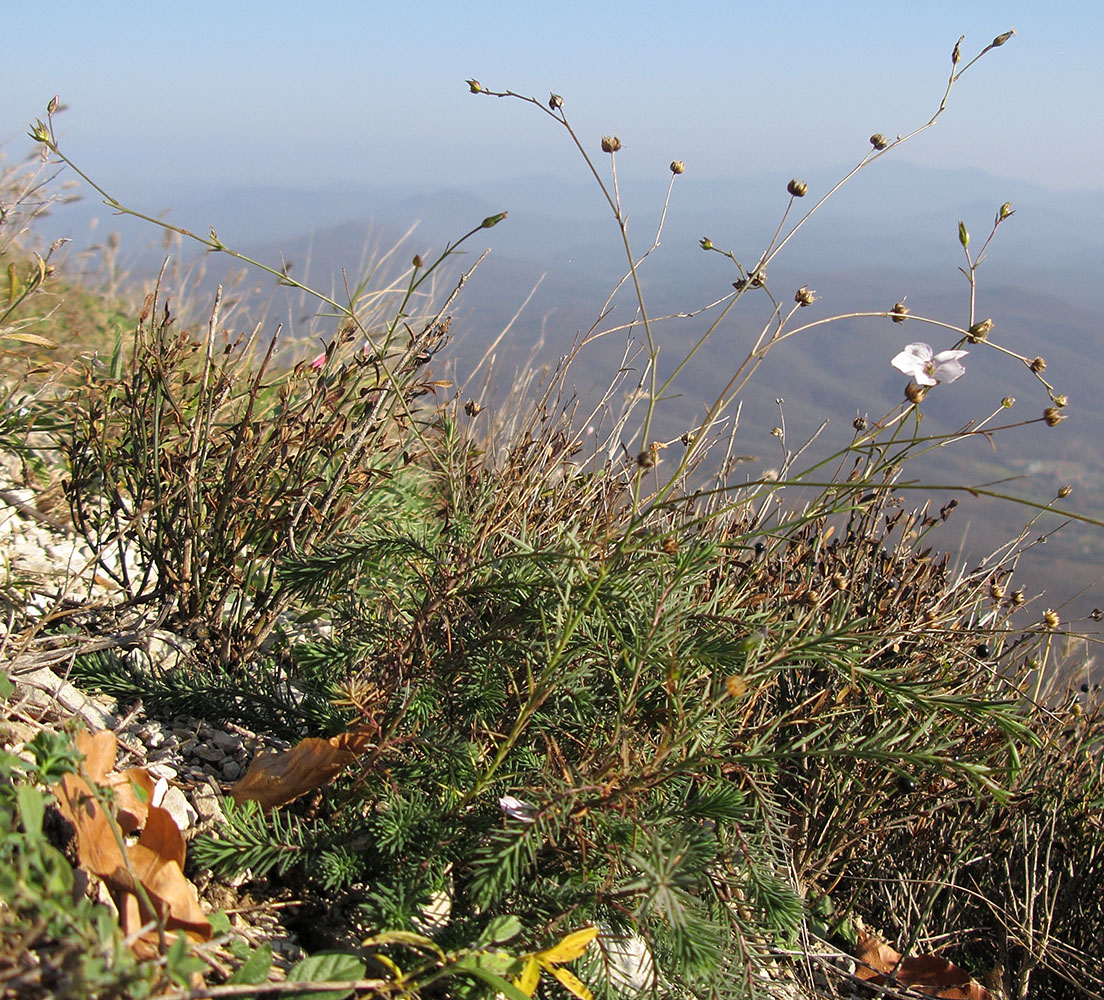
[[891, 233]]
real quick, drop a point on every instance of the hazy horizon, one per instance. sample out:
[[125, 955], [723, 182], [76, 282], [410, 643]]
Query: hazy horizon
[[162, 100]]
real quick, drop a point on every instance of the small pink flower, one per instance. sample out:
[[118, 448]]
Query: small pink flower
[[319, 361], [925, 368]]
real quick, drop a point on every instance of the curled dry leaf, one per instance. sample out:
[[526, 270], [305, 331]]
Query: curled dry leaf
[[153, 866], [924, 975], [275, 779]]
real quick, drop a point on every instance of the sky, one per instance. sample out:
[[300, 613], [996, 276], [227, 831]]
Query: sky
[[170, 97]]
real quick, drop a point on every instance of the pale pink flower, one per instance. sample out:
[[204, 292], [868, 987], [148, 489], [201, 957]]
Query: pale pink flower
[[319, 361], [925, 368], [517, 808]]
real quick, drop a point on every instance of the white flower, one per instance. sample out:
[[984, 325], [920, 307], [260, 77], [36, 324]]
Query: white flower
[[925, 368], [517, 808]]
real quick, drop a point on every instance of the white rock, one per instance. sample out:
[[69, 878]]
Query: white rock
[[179, 808]]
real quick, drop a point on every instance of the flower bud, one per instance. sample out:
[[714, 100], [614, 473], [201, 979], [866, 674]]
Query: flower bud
[[804, 296], [493, 220], [1037, 365], [1052, 416], [879, 141], [979, 331], [956, 54], [899, 312], [1064, 491], [474, 86], [1052, 619], [646, 460], [1060, 400], [963, 236], [472, 408], [915, 393], [996, 591], [417, 261], [610, 144], [860, 423], [1017, 598], [797, 188], [705, 243], [1001, 39], [1008, 402], [678, 167], [39, 132], [736, 686], [555, 102], [1005, 211], [55, 103]]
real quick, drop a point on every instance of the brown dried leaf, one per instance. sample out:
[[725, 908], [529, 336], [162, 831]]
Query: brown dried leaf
[[275, 779], [927, 975], [155, 862]]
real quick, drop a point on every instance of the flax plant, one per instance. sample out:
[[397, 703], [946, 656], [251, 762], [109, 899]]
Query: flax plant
[[604, 688]]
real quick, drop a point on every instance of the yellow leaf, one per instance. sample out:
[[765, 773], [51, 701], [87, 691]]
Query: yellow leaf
[[31, 338], [389, 965], [571, 983], [570, 947], [527, 981]]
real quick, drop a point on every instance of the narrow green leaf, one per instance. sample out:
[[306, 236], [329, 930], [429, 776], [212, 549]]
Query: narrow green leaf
[[472, 965], [500, 930], [255, 968], [31, 809]]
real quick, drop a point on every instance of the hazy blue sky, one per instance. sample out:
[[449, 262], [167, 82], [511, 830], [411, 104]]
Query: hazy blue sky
[[309, 93]]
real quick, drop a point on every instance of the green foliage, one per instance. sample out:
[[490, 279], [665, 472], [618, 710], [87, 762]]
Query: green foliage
[[53, 942], [268, 695]]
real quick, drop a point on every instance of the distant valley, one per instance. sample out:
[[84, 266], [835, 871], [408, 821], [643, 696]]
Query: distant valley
[[891, 234]]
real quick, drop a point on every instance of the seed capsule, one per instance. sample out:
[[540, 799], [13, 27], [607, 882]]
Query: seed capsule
[[979, 331]]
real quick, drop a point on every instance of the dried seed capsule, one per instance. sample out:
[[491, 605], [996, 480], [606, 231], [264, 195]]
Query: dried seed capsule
[[879, 141], [678, 167], [797, 188], [979, 331]]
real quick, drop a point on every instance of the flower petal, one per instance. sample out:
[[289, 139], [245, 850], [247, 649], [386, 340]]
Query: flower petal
[[913, 361]]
